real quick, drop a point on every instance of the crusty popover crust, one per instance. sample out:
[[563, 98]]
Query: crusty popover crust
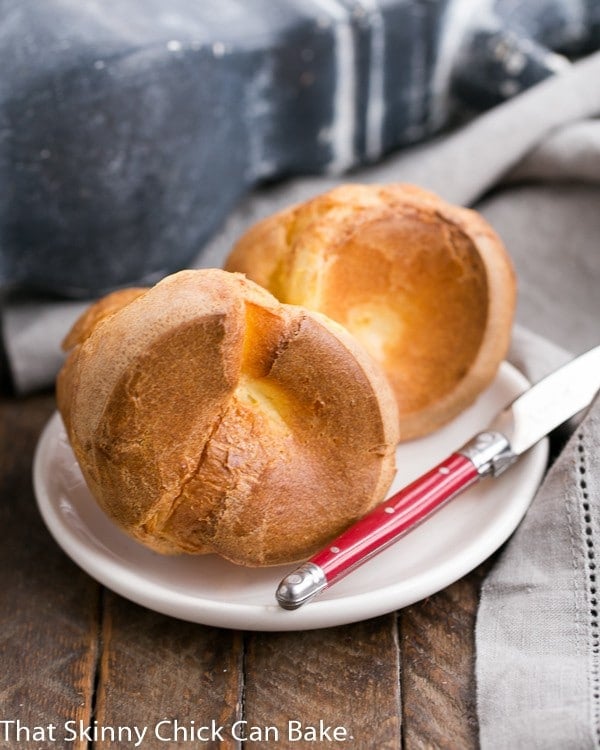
[[426, 286], [207, 417]]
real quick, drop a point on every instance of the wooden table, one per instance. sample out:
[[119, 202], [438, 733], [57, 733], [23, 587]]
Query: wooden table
[[72, 651]]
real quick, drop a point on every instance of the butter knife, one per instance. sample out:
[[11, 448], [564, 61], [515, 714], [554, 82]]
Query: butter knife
[[523, 423]]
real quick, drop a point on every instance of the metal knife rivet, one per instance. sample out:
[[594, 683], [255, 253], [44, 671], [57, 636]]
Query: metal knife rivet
[[444, 470], [389, 509], [334, 549], [484, 439]]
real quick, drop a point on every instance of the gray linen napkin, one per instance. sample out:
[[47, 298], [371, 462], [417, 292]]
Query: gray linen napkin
[[533, 134], [537, 636]]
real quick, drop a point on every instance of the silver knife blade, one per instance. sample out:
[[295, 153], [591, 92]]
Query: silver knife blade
[[550, 402]]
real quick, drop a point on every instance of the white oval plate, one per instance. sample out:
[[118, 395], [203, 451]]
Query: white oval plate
[[212, 591]]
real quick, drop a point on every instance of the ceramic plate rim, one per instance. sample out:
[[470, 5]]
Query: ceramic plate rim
[[323, 612]]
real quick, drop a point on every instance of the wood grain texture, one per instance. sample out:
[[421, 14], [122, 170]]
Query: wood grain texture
[[69, 650], [155, 668], [346, 676], [48, 607], [438, 677]]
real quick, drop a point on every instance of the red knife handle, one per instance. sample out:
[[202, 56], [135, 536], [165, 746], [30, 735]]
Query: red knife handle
[[379, 528], [395, 516], [487, 454]]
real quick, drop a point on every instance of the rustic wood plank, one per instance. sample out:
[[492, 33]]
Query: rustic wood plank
[[438, 657], [48, 607], [346, 676], [156, 668], [55, 630]]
